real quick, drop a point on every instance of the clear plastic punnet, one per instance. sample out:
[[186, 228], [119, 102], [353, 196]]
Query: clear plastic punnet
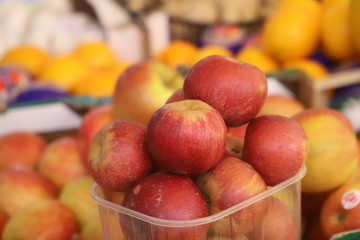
[[281, 217]]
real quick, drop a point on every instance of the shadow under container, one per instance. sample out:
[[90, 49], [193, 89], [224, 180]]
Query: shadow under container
[[249, 220]]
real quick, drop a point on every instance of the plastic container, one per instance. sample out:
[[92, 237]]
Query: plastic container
[[237, 222]]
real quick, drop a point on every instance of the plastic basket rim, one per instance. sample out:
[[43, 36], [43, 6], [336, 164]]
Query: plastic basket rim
[[198, 221]]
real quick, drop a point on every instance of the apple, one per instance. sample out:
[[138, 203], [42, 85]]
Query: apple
[[187, 137], [279, 222], [118, 155], [22, 186], [143, 88], [333, 149], [31, 144], [281, 105], [61, 161], [230, 182], [91, 122], [276, 146], [178, 95], [92, 230], [236, 89], [341, 210], [43, 219], [76, 195], [165, 196]]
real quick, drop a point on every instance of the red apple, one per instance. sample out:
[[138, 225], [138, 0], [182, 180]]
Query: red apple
[[91, 122], [178, 95], [22, 186], [236, 89], [142, 89], [31, 144], [276, 146], [187, 137], [230, 182], [279, 222], [61, 161], [165, 196], [43, 219], [341, 210], [119, 156]]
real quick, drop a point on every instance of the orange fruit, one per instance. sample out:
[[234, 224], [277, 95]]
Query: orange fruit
[[209, 50], [336, 35], [178, 52], [257, 57], [31, 58], [314, 69], [64, 71], [293, 32], [354, 16], [101, 82], [97, 54]]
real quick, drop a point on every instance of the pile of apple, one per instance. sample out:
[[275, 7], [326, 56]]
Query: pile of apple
[[179, 166]]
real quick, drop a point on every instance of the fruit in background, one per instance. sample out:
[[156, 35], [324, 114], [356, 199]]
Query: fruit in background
[[20, 187], [4, 218], [238, 132], [165, 196], [76, 195], [98, 84], [333, 149], [29, 57], [354, 19], [282, 105], [61, 161], [178, 95], [276, 146], [209, 50], [256, 56], [91, 122], [234, 88], [341, 210], [336, 40], [314, 69], [43, 219], [279, 223], [178, 52], [186, 137], [293, 31], [230, 182], [64, 71], [92, 230], [142, 89], [96, 54], [118, 155], [21, 148]]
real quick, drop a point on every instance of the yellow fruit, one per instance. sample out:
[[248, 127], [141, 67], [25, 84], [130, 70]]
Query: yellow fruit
[[211, 50], [64, 71], [292, 32], [257, 57], [101, 82], [354, 16], [336, 39], [314, 69], [178, 52], [96, 54], [30, 58]]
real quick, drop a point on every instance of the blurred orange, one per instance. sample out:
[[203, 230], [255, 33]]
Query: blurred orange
[[257, 57], [64, 71], [211, 50], [178, 52], [314, 69], [97, 54], [29, 57]]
